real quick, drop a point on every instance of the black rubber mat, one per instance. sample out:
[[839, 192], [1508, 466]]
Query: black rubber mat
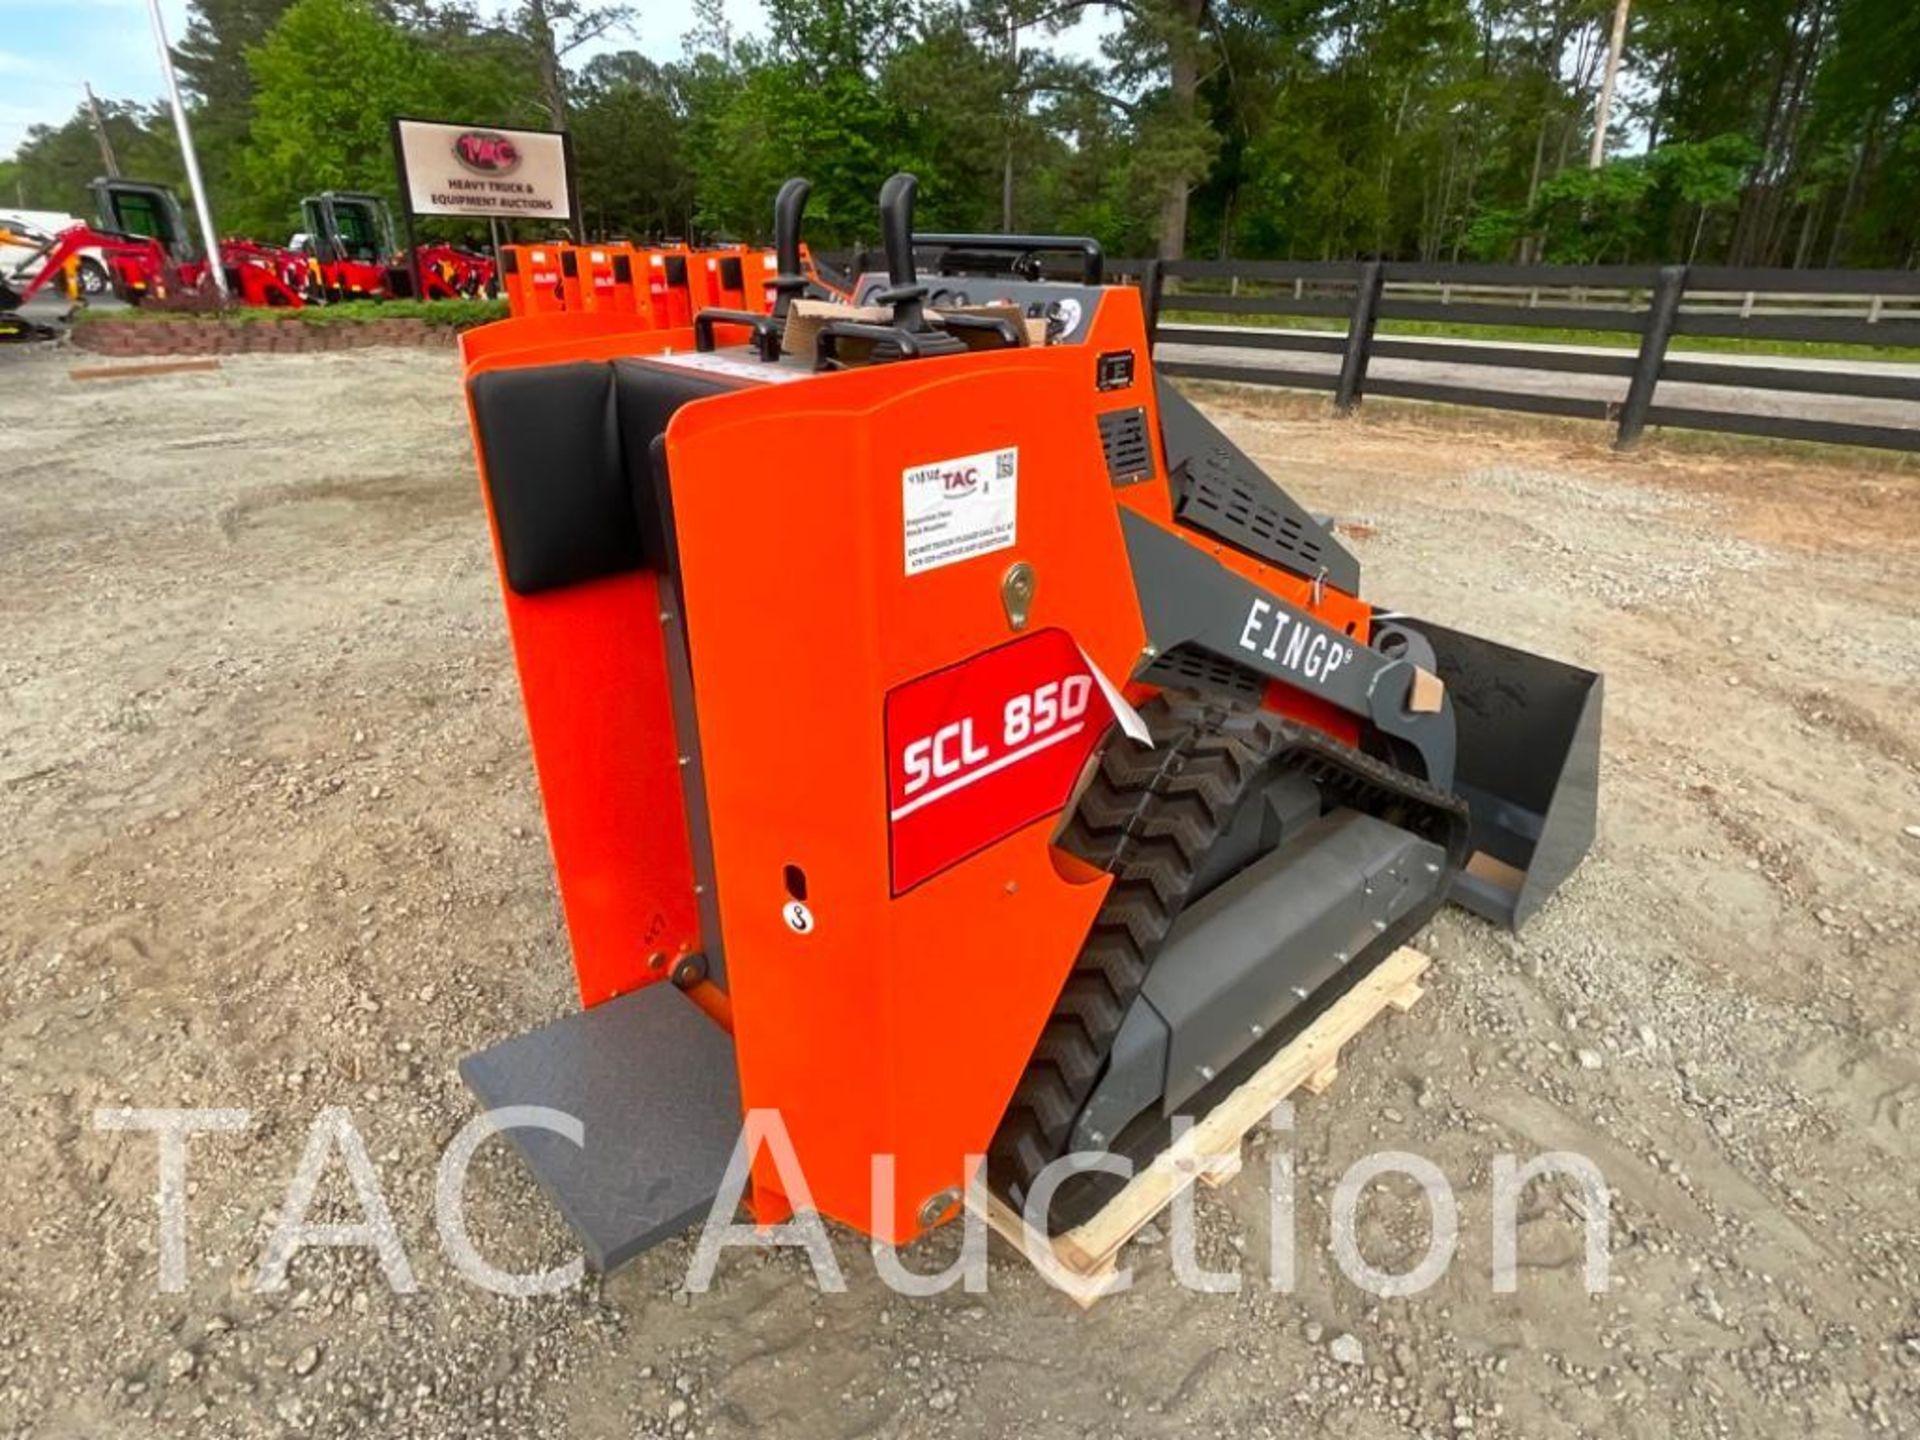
[[654, 1085]]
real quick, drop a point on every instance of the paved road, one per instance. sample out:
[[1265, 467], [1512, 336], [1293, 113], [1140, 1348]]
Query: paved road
[[1520, 379]]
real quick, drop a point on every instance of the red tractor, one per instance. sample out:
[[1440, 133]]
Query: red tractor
[[136, 265], [141, 241], [353, 254], [145, 220]]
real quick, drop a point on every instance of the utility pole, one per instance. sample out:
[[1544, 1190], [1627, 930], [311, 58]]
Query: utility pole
[[207, 233], [1013, 116], [100, 133], [1615, 44]]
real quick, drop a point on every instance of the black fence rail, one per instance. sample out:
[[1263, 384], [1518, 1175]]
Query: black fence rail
[[1878, 308], [1237, 309]]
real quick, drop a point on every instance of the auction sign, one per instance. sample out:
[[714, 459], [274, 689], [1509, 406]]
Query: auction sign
[[478, 170]]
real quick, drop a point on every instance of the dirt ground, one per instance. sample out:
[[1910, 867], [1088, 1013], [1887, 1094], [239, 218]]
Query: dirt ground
[[270, 840]]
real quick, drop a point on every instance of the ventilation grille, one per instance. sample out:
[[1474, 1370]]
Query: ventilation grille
[[1224, 501], [1123, 438], [1187, 667]]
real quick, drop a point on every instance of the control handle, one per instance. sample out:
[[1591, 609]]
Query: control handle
[[904, 291], [766, 331], [789, 209]]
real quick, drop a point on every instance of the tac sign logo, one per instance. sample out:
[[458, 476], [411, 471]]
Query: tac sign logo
[[486, 152], [947, 479]]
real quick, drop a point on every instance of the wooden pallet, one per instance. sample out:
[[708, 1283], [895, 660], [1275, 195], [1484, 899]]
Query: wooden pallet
[[1085, 1261]]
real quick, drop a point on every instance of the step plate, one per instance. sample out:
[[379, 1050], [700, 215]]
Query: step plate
[[653, 1083]]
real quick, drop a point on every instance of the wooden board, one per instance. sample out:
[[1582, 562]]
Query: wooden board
[[141, 372], [1084, 1262]]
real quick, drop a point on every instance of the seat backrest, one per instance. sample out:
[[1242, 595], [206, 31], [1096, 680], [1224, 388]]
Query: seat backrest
[[567, 454]]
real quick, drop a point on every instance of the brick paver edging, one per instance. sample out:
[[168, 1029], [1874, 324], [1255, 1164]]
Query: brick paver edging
[[191, 336]]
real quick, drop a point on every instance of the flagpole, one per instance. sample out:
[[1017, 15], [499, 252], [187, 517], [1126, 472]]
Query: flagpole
[[208, 235]]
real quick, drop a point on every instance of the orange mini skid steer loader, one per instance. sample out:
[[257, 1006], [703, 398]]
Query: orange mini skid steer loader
[[950, 741]]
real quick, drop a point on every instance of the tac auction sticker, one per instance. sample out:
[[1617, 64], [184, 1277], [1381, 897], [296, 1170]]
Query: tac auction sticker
[[959, 508]]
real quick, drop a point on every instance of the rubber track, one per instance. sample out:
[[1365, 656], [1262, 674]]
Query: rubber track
[[1149, 817]]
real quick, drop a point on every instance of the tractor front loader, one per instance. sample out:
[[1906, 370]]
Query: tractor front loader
[[951, 741]]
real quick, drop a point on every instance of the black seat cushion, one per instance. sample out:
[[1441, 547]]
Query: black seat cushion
[[648, 396], [555, 442]]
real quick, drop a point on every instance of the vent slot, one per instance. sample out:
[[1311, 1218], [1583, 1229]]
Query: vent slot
[[1188, 667], [1123, 439], [1224, 501]]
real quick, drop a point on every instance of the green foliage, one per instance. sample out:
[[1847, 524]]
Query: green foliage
[[212, 57], [1750, 131], [837, 129], [453, 314], [1707, 172], [629, 145], [211, 60], [1593, 216], [55, 165], [812, 100], [1618, 212], [459, 314], [327, 77]]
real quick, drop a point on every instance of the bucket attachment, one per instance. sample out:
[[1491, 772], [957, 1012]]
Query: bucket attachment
[[1528, 736]]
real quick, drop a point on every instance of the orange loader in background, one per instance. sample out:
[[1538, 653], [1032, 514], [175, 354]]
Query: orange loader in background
[[663, 285]]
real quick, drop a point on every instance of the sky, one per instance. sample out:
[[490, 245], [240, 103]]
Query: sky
[[50, 48]]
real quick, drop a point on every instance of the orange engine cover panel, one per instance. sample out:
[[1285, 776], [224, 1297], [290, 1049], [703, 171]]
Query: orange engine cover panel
[[894, 1024]]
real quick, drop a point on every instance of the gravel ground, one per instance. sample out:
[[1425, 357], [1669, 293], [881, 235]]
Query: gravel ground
[[271, 841]]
